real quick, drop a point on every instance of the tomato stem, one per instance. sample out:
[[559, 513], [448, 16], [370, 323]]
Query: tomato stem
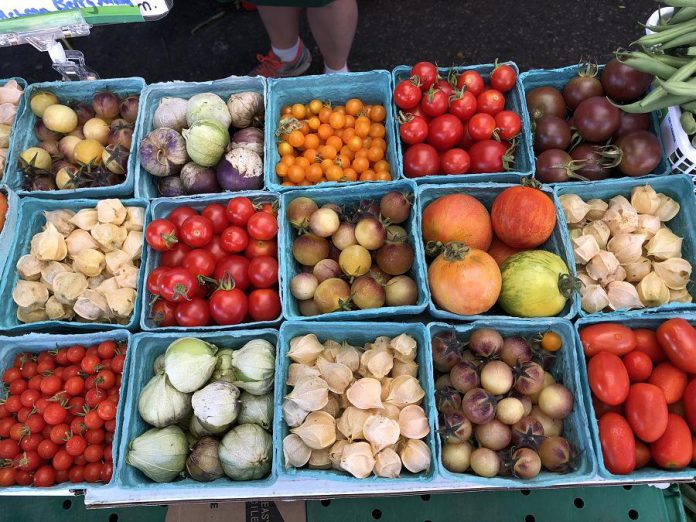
[[567, 284]]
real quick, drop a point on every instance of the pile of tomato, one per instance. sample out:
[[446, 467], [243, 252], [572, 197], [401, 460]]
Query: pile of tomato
[[458, 124], [217, 267], [643, 386], [58, 420]]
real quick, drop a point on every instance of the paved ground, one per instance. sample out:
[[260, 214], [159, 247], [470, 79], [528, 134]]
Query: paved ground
[[534, 33]]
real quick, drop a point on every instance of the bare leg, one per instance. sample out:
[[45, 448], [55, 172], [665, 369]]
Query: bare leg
[[282, 25], [333, 27]]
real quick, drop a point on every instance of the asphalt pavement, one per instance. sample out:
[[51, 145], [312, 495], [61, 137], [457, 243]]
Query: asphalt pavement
[[205, 39]]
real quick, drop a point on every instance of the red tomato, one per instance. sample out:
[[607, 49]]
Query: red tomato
[[234, 239], [192, 313], [638, 365], [434, 103], [199, 262], [93, 421], [262, 225], [678, 340], [24, 478], [94, 396], [75, 353], [9, 449], [455, 161], [508, 123], [607, 337], [107, 410], [197, 231], [44, 477], [215, 248], [259, 247], [646, 341], [62, 460], [426, 73], [646, 411], [76, 474], [472, 81], [523, 217], [689, 404], [228, 305], [445, 131], [59, 434], [503, 78], [29, 369], [418, 111], [489, 156], [75, 446], [178, 285], [181, 214], [50, 385], [162, 313], [239, 210], [414, 129], [47, 448], [481, 126], [17, 387], [107, 349], [463, 105], [263, 272], [217, 214], [107, 470], [54, 414], [407, 93], [175, 256], [490, 102], [11, 374], [92, 472], [674, 449], [608, 378], [264, 305], [618, 444], [161, 234], [421, 160], [445, 86], [237, 267], [671, 379]]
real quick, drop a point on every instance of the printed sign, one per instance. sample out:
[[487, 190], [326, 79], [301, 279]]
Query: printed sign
[[19, 8]]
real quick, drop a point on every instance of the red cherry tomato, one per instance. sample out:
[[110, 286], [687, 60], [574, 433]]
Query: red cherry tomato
[[445, 86], [181, 214], [489, 156], [215, 248], [608, 378], [455, 161], [197, 231], [162, 313], [199, 262], [192, 313], [228, 305], [463, 105], [434, 102], [646, 411], [407, 93], [618, 444], [508, 124], [503, 78], [481, 126], [178, 285], [413, 130], [161, 234], [154, 279], [491, 102], [264, 305], [237, 267], [234, 239], [262, 225], [445, 131], [638, 365], [426, 73], [239, 210], [263, 272], [217, 214], [421, 160], [259, 247], [174, 257], [472, 81]]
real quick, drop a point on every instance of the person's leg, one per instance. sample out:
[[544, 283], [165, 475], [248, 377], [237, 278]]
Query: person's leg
[[333, 27], [288, 56]]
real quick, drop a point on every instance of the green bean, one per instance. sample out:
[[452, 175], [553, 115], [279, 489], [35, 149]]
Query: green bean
[[679, 3], [671, 60], [685, 71], [688, 123], [665, 36], [666, 101], [691, 51], [689, 106], [678, 88], [647, 64], [682, 15], [680, 41]]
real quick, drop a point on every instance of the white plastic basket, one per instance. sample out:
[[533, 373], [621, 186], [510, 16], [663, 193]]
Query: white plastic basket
[[680, 152]]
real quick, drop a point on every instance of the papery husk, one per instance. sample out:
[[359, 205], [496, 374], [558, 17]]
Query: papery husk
[[667, 209], [404, 347], [337, 376], [351, 423], [620, 274], [49, 245], [331, 345], [31, 315], [85, 219], [574, 208], [387, 463], [348, 355], [415, 455], [600, 231], [111, 211], [377, 362], [365, 393], [623, 296], [50, 270], [293, 414], [115, 260], [122, 302], [29, 267], [336, 452], [381, 432], [664, 245], [92, 306], [79, 240], [413, 422], [296, 371], [109, 236], [621, 219], [404, 368], [593, 298], [68, 286], [652, 291], [305, 349], [310, 393], [381, 343], [30, 294], [405, 390], [127, 276], [295, 452], [320, 459], [648, 225], [135, 218], [644, 199], [584, 248], [620, 202], [107, 285], [133, 245], [318, 430], [627, 248], [680, 296], [61, 220], [89, 262], [574, 233], [597, 209], [57, 311], [674, 272], [357, 459], [637, 270], [332, 407], [602, 267], [585, 280]]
